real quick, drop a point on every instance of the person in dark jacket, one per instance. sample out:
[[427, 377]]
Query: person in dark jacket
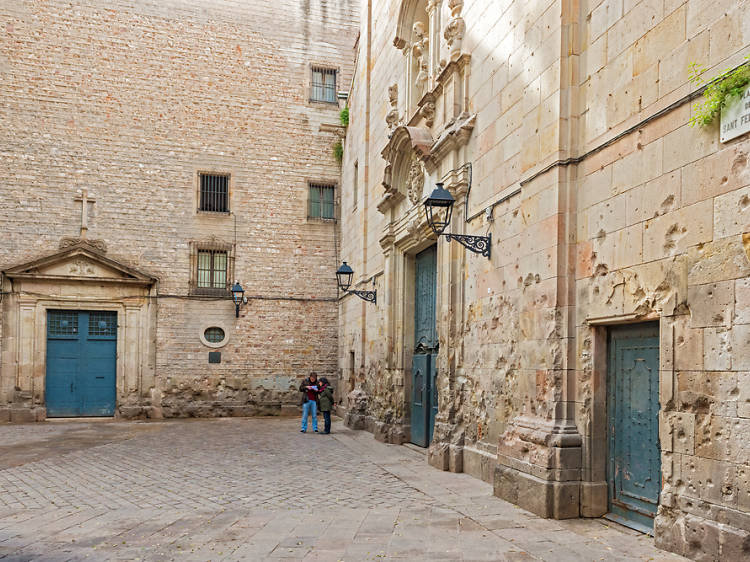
[[326, 403], [309, 389]]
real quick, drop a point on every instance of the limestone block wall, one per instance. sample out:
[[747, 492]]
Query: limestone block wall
[[130, 100], [606, 208], [660, 234]]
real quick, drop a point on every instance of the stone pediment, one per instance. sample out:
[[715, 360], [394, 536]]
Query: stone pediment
[[81, 262]]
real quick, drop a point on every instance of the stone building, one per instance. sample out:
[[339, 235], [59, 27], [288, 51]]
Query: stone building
[[596, 362], [152, 154]]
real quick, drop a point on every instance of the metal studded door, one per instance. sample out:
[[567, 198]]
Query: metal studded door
[[81, 363], [424, 396], [634, 471]]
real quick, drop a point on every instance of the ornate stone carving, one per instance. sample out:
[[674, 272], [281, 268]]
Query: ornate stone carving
[[81, 267], [428, 110], [392, 118], [68, 242], [419, 53], [415, 179], [454, 31]]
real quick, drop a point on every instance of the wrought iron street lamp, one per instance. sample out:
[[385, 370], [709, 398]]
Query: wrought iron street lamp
[[237, 293], [344, 276], [439, 208]]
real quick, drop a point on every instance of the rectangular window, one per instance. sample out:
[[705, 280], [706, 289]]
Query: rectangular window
[[323, 87], [320, 203], [355, 186], [212, 270], [214, 193]]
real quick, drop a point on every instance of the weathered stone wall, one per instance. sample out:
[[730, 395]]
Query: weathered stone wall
[[660, 233], [129, 100], [644, 222]]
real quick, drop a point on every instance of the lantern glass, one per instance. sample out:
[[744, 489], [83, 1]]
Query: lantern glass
[[439, 208], [344, 276], [237, 292]]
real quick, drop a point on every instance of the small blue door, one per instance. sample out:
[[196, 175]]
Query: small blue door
[[424, 402], [634, 471], [81, 363]]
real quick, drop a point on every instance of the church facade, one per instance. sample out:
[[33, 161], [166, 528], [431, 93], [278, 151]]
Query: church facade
[[577, 334], [154, 153]]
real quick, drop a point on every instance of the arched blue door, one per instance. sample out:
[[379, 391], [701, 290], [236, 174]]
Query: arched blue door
[[81, 363]]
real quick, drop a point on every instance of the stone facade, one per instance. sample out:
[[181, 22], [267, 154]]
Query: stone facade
[[128, 101], [561, 128]]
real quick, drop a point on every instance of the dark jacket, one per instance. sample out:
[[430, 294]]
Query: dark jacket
[[303, 390], [325, 399]]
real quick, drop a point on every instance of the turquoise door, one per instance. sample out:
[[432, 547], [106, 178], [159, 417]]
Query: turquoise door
[[634, 471], [424, 390], [81, 363]]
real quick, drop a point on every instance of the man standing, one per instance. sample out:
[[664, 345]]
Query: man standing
[[309, 390]]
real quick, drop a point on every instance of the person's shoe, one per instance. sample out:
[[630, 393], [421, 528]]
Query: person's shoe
[[316, 431], [302, 431]]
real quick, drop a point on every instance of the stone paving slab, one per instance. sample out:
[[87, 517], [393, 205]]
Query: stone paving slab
[[257, 489]]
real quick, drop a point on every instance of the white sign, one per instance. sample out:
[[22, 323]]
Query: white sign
[[735, 117]]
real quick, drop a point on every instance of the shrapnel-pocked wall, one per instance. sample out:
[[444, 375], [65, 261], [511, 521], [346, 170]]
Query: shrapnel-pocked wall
[[130, 101], [570, 122]]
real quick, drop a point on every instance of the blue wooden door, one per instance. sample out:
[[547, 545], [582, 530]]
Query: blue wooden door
[[424, 391], [81, 363], [634, 471], [420, 399]]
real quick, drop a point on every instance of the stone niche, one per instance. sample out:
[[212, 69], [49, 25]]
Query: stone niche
[[80, 277]]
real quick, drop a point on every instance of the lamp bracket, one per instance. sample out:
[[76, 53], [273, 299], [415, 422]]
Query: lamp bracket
[[369, 296], [477, 244]]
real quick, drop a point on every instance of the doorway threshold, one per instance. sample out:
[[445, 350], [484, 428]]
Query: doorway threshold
[[81, 419], [416, 448], [630, 524]]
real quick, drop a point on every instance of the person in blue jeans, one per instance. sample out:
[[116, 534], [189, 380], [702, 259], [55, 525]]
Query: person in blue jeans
[[310, 389]]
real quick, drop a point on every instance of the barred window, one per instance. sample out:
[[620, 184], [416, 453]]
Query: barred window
[[320, 202], [214, 193], [323, 85], [62, 323], [212, 269], [102, 323]]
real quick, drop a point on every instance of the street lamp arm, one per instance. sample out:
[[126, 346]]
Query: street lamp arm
[[477, 244], [369, 296]]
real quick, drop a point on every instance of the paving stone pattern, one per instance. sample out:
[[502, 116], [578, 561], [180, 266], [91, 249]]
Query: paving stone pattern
[[257, 489]]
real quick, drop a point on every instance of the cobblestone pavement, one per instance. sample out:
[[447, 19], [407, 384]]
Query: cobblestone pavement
[[257, 489]]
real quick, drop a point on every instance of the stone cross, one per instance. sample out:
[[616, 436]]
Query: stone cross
[[84, 198]]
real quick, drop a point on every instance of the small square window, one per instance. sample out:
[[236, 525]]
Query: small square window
[[323, 87], [212, 270], [321, 203], [214, 193]]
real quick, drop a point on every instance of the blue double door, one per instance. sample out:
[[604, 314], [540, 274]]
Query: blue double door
[[424, 403], [634, 471], [81, 363]]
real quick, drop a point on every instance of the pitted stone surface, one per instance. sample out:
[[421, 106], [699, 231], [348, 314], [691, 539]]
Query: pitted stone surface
[[256, 489]]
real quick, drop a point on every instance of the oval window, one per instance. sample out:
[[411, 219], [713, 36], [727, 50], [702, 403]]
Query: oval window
[[214, 335]]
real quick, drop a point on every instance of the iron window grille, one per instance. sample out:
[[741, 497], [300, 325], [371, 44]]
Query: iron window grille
[[102, 323], [62, 322], [211, 267], [321, 203], [214, 334], [323, 86], [214, 193]]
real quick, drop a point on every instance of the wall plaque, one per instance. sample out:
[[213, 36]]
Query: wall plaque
[[735, 117]]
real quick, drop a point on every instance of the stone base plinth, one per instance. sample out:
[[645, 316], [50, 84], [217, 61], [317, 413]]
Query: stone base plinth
[[556, 500], [691, 535], [446, 456]]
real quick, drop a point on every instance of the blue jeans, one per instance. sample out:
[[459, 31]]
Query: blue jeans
[[310, 407]]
